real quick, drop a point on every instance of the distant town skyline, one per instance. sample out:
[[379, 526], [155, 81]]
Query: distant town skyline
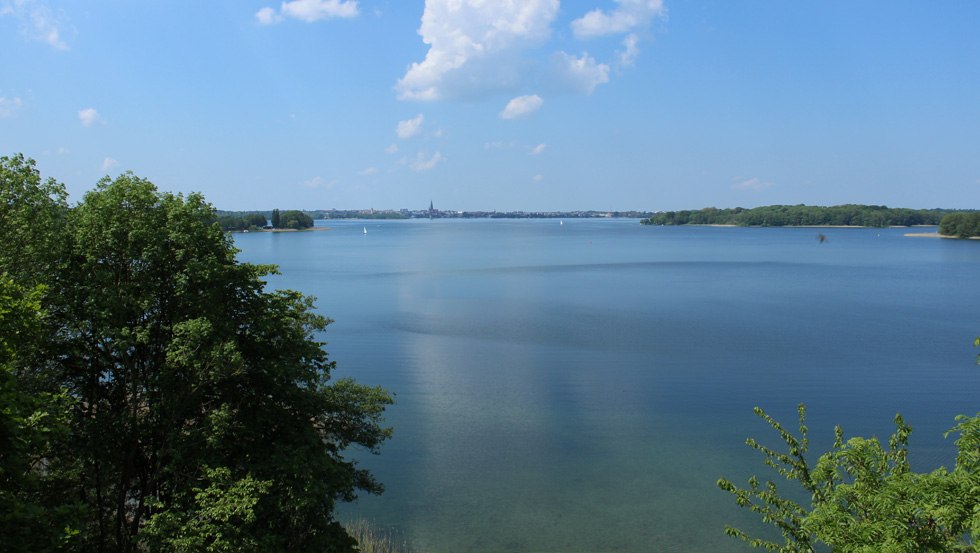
[[534, 105]]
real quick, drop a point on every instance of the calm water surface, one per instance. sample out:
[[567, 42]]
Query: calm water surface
[[580, 387]]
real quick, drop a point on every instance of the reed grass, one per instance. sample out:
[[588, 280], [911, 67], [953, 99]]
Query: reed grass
[[371, 539]]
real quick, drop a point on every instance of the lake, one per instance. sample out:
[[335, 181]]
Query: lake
[[581, 386]]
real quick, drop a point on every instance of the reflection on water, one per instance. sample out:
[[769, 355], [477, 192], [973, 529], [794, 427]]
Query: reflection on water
[[580, 387]]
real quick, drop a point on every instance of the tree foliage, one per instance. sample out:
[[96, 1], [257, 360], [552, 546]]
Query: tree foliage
[[189, 408], [964, 224], [800, 215], [32, 219], [35, 515], [244, 221], [864, 497], [293, 219]]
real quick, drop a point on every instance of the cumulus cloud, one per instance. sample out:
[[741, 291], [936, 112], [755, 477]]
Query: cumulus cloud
[[474, 47], [627, 56], [89, 117], [268, 16], [108, 164], [39, 22], [522, 106], [308, 10], [578, 74], [368, 172], [409, 127], [627, 16], [537, 178], [9, 105], [754, 184], [392, 148], [537, 150], [420, 163]]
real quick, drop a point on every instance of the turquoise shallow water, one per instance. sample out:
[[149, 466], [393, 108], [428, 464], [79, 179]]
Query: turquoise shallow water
[[580, 387]]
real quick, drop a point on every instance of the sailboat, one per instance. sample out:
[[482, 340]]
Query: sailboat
[[365, 230], [561, 221]]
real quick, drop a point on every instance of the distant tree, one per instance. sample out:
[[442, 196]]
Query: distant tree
[[293, 219], [248, 221], [276, 220], [962, 224], [231, 222], [255, 220], [796, 215]]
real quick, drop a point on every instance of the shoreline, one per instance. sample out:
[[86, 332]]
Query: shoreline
[[311, 229], [789, 226], [937, 235]]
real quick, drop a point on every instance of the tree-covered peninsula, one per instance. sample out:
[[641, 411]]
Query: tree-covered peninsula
[[964, 224], [801, 215], [291, 219]]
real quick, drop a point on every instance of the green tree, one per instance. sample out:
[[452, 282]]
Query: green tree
[[276, 219], [293, 219], [35, 515], [32, 219], [255, 220], [864, 497], [963, 224], [202, 414]]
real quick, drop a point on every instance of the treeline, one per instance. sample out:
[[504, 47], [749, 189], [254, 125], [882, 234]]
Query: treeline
[[155, 396], [254, 220], [965, 224], [356, 214], [290, 219], [801, 215], [246, 221]]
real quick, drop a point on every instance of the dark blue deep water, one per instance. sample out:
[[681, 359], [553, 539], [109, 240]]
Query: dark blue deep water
[[580, 387]]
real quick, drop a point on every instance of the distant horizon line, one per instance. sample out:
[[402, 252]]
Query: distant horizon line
[[370, 210]]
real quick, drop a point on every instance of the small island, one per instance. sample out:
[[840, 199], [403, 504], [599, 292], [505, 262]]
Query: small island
[[261, 220]]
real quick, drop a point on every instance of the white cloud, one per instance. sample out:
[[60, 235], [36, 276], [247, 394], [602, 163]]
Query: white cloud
[[39, 22], [627, 57], [537, 178], [754, 184], [392, 148], [268, 16], [578, 74], [108, 164], [319, 182], [537, 150], [369, 171], [308, 10], [522, 106], [9, 105], [420, 163], [89, 117], [627, 16], [410, 127], [474, 47]]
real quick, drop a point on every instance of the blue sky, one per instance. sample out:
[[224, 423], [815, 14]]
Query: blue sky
[[505, 105]]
